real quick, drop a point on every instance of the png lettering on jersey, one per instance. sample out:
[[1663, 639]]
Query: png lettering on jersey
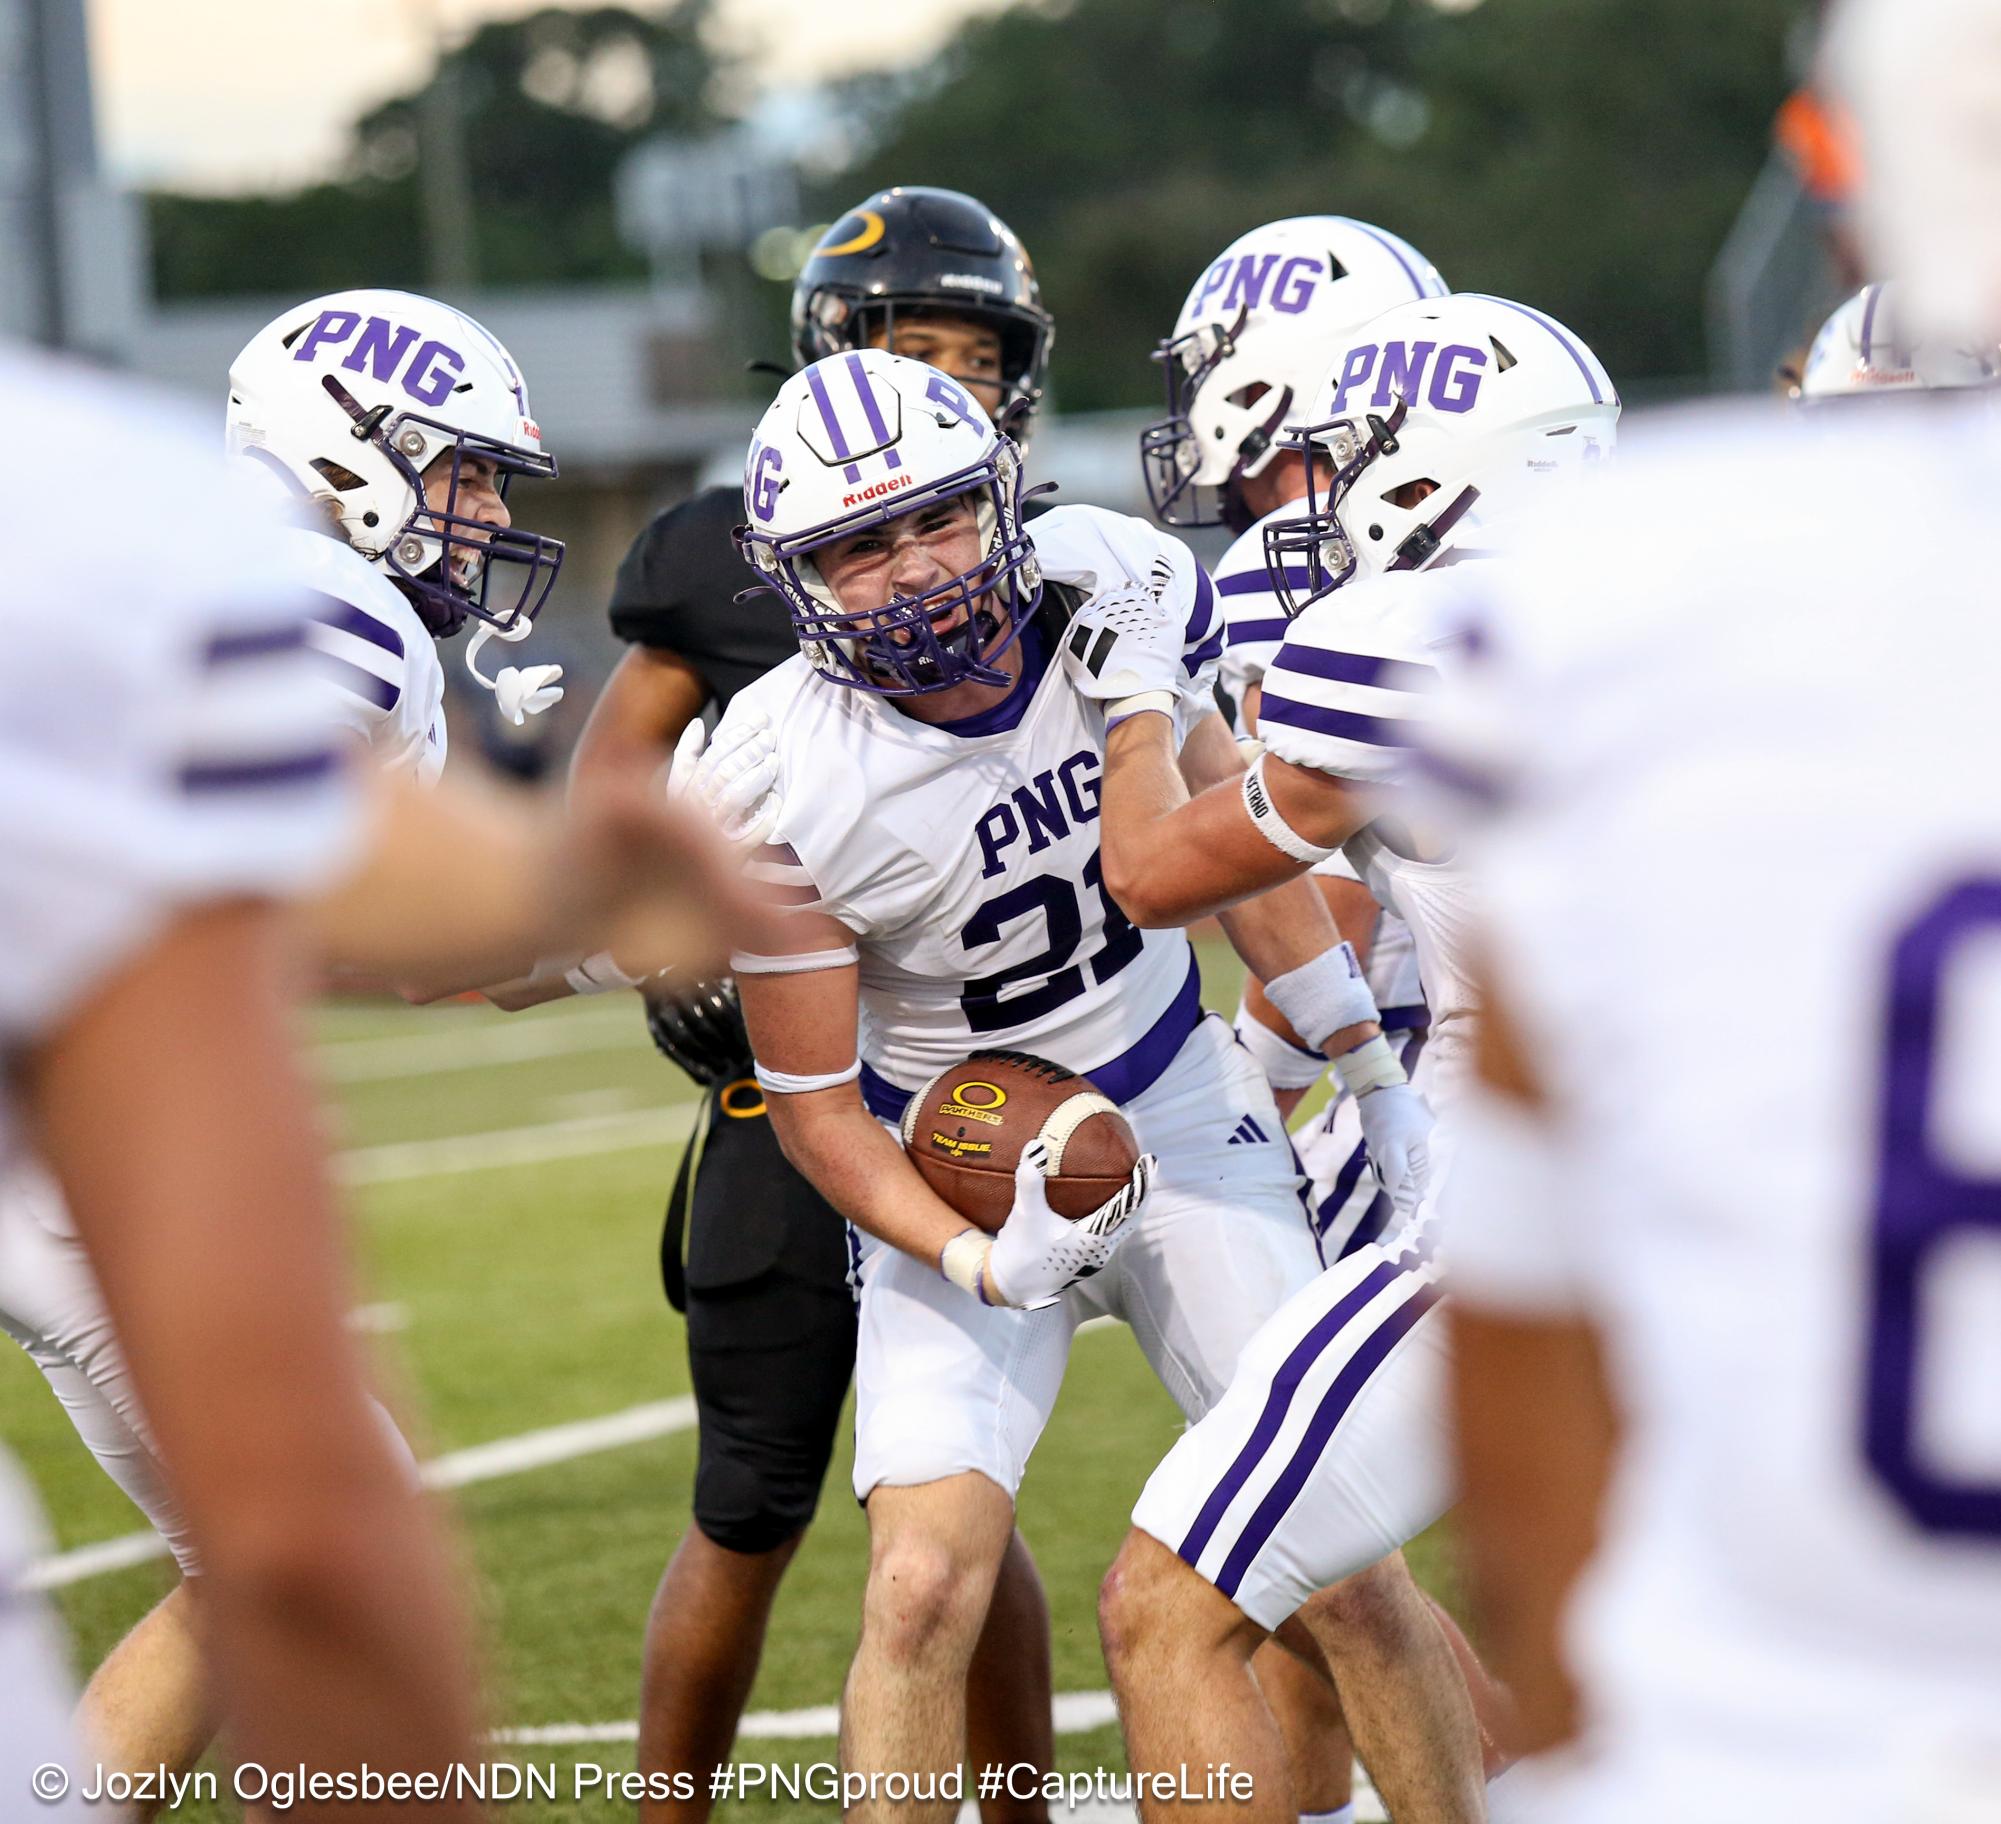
[[1056, 801], [1399, 370], [1242, 283], [381, 348]]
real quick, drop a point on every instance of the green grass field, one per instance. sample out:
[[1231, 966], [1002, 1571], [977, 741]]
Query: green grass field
[[510, 1292]]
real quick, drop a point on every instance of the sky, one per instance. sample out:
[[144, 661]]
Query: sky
[[255, 94]]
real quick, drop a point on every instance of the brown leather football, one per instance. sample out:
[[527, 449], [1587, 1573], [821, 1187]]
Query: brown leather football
[[964, 1131]]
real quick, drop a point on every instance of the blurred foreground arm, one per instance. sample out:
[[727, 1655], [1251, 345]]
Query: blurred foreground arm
[[171, 1108], [1533, 1410]]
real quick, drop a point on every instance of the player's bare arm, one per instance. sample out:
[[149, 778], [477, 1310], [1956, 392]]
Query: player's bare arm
[[337, 1635], [1171, 859], [1536, 1427], [1280, 930], [650, 697]]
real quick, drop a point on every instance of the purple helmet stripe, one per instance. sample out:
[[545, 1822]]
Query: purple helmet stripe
[[872, 411], [1396, 252], [1570, 348], [1875, 297], [827, 416]]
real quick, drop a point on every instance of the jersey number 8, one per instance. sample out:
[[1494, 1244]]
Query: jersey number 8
[[1923, 1207]]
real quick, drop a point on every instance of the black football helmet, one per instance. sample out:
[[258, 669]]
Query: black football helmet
[[913, 248]]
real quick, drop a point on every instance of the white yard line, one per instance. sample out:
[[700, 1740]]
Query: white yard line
[[577, 1137], [472, 1045], [456, 1469]]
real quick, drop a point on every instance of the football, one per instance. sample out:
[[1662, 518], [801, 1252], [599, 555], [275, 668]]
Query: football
[[964, 1131]]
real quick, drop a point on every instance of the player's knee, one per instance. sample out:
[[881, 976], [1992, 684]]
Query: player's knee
[[743, 1510], [1144, 1599], [925, 1600]]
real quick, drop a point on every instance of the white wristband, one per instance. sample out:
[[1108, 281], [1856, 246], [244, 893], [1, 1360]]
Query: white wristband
[[1140, 704], [599, 975], [1322, 997], [784, 1083], [1284, 1064], [1371, 1065], [1270, 825], [964, 1258]]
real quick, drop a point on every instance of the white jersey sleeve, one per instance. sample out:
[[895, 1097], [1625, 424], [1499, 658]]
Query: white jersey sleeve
[[172, 740], [1355, 678], [1255, 621], [389, 685]]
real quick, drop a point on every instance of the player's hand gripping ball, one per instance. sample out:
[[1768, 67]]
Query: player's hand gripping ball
[[965, 1130]]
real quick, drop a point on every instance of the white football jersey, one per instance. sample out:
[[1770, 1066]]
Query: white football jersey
[[168, 742], [1779, 1154], [1255, 625], [1355, 678], [965, 858], [377, 650]]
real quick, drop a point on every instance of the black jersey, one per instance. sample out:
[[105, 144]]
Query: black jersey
[[677, 590]]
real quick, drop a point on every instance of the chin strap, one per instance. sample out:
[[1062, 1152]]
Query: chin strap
[[521, 691]]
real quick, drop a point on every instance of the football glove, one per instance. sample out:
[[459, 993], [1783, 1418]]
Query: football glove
[[1124, 644], [734, 777], [698, 1025], [1037, 1253], [1396, 1129]]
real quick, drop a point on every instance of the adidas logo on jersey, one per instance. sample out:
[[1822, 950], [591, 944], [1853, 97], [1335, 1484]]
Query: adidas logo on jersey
[[1247, 1133]]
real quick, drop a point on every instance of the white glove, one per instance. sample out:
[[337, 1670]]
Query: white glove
[[1038, 1253], [1396, 1128], [1122, 644], [734, 778], [526, 690]]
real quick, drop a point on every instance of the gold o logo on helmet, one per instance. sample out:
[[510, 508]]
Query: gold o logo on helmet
[[961, 1093], [752, 1103], [872, 230]]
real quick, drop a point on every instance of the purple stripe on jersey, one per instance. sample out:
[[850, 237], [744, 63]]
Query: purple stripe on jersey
[[1207, 653], [1356, 668], [872, 411], [1395, 252], [1205, 605], [1869, 320], [359, 681], [1130, 1075], [1460, 780], [238, 775], [333, 612], [253, 643], [1343, 1186], [818, 389], [1371, 731], [1247, 583], [1569, 347], [1259, 633], [1284, 1384], [1333, 1408]]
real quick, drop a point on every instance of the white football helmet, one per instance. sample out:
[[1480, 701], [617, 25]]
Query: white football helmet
[[1252, 339], [1866, 347], [860, 439], [1434, 410], [350, 397]]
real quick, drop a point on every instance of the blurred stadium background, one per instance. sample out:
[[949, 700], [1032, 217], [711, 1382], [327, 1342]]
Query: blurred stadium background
[[623, 194]]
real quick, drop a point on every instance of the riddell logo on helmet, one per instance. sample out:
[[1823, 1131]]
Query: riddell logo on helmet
[[876, 490]]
